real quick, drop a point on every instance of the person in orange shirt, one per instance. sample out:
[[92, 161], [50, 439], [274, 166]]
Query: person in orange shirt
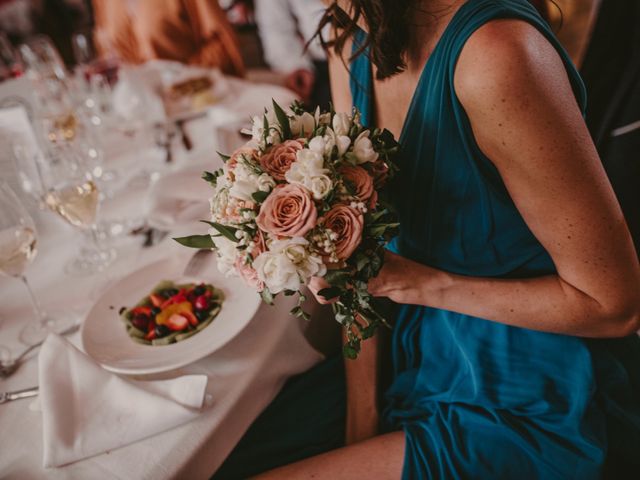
[[190, 31]]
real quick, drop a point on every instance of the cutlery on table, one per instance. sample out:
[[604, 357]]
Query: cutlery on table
[[9, 367], [18, 394]]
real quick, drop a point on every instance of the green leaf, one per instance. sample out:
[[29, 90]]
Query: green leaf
[[224, 157], [265, 128], [267, 296], [335, 277], [224, 230], [260, 196], [330, 293], [350, 351], [196, 241], [283, 120]]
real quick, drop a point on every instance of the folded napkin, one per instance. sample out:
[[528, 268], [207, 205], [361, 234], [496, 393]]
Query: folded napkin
[[87, 410]]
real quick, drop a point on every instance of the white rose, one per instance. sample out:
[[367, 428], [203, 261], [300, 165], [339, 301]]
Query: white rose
[[277, 272], [341, 123], [363, 149], [302, 125], [288, 265], [308, 170], [266, 182], [226, 251], [219, 203]]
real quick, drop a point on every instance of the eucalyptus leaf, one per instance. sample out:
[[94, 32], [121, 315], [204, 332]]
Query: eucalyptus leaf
[[330, 292], [260, 196], [224, 230], [196, 241], [224, 157], [283, 120]]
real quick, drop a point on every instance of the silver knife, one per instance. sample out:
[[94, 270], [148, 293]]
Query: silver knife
[[18, 394]]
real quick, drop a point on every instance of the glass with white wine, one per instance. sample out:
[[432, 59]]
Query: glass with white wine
[[17, 251], [71, 192]]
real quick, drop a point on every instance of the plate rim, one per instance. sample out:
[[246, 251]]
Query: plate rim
[[160, 369]]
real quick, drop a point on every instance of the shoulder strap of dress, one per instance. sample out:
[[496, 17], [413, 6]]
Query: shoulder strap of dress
[[476, 13]]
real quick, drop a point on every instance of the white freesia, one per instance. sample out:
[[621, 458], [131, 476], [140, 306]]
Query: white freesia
[[245, 183], [341, 123], [302, 125], [308, 170], [226, 251], [363, 149], [257, 129], [322, 145], [219, 203], [288, 265]]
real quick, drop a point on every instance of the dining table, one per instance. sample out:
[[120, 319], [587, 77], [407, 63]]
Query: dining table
[[244, 375]]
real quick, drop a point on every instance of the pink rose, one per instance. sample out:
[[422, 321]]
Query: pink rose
[[242, 151], [361, 181], [348, 223], [278, 160], [288, 211], [249, 274]]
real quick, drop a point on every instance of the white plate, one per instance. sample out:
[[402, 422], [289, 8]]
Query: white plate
[[105, 339]]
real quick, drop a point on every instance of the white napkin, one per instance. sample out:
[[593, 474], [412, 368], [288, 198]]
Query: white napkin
[[87, 410]]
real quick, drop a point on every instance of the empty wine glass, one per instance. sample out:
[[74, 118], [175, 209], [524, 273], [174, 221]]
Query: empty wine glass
[[17, 250], [72, 193]]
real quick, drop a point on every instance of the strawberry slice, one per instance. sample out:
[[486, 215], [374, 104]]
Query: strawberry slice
[[151, 331], [177, 322], [156, 300], [141, 311], [193, 320]]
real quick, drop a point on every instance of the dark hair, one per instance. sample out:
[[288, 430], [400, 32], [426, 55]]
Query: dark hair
[[389, 23]]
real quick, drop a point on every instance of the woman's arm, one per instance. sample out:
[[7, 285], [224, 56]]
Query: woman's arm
[[516, 93], [361, 374]]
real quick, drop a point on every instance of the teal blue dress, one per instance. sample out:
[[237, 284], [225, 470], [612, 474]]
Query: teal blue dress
[[476, 398]]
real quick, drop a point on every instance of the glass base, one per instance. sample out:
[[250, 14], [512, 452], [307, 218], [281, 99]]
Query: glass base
[[90, 262], [55, 322]]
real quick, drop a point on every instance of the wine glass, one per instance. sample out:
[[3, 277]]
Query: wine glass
[[10, 64], [17, 250], [72, 193]]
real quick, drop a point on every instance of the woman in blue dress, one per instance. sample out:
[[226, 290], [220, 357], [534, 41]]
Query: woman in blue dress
[[514, 347]]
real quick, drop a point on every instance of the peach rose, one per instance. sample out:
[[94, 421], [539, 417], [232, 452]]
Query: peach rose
[[288, 212], [348, 223], [242, 151], [277, 161], [361, 181]]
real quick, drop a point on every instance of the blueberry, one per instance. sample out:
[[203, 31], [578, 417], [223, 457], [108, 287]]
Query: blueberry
[[170, 292], [156, 310], [161, 330], [199, 290], [201, 315], [141, 322]]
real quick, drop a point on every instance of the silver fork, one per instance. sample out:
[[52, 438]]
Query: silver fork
[[18, 394], [8, 368], [196, 263]]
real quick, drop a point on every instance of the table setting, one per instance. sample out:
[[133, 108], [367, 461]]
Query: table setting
[[91, 200]]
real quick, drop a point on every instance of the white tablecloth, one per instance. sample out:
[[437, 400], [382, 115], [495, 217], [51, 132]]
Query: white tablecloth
[[244, 376]]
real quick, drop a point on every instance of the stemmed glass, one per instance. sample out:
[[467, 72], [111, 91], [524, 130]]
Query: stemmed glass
[[17, 250], [72, 193]]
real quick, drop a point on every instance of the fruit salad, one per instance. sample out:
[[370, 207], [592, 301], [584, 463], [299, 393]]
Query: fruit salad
[[172, 313]]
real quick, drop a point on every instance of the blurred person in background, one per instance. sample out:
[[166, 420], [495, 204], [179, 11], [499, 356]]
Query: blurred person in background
[[194, 32], [285, 26], [603, 39]]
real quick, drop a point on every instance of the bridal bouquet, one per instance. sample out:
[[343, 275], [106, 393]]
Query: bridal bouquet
[[303, 199]]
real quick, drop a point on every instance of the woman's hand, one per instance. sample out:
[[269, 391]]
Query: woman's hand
[[400, 279], [315, 285]]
